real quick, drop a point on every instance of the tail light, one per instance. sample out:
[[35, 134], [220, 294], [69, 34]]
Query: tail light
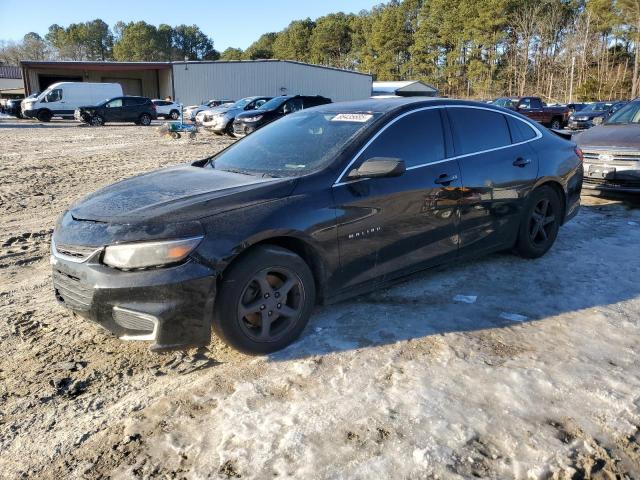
[[153, 107], [579, 154]]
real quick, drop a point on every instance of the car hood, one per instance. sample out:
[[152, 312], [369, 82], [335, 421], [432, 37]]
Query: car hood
[[609, 136], [590, 115], [176, 194], [252, 113]]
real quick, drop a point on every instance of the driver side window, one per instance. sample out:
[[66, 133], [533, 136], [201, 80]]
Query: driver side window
[[115, 103], [525, 104], [292, 106], [416, 139], [258, 104], [54, 95]]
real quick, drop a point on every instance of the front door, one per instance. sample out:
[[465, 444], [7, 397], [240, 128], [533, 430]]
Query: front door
[[391, 226], [113, 110]]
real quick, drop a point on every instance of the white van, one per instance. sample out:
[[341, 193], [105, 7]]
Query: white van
[[61, 99]]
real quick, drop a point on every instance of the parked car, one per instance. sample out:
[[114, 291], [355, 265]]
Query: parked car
[[321, 205], [612, 152], [534, 108], [575, 107], [139, 110], [191, 111], [61, 99], [585, 118], [248, 122], [167, 109], [221, 120]]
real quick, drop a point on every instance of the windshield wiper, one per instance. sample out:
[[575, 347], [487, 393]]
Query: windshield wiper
[[235, 170]]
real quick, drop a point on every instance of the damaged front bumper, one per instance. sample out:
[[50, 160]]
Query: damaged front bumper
[[171, 307]]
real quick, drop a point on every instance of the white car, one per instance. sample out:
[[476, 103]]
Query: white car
[[191, 111], [167, 109]]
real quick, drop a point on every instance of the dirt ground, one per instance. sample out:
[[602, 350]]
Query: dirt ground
[[537, 378]]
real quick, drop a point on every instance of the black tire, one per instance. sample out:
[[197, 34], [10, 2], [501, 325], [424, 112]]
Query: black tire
[[97, 120], [540, 223], [174, 115], [44, 116], [260, 286], [556, 124], [175, 135], [229, 129], [145, 119]]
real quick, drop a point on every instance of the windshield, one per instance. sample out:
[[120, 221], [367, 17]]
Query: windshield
[[295, 145], [274, 103], [505, 102], [242, 102], [596, 107], [630, 113]]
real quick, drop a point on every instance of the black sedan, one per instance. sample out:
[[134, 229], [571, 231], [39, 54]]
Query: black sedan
[[585, 118], [321, 205]]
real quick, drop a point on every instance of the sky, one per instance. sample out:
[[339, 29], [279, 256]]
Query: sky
[[235, 23]]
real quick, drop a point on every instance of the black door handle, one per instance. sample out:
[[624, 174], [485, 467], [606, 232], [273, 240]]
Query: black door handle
[[445, 179], [521, 162]]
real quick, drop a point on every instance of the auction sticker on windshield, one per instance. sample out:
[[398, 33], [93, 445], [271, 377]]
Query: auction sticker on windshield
[[352, 117]]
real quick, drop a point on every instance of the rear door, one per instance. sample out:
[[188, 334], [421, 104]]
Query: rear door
[[133, 108], [499, 167], [391, 226]]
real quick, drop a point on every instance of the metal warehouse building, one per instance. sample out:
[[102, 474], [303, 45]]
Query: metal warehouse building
[[194, 82]]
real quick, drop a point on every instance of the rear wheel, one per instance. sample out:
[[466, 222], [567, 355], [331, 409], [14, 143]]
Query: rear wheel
[[556, 124], [229, 129], [174, 115], [540, 224], [44, 116], [145, 119], [265, 301]]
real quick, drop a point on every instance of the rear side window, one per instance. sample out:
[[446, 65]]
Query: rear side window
[[520, 131], [476, 130], [131, 101], [416, 138]]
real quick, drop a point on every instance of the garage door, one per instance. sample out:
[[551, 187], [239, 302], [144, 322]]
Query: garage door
[[130, 86]]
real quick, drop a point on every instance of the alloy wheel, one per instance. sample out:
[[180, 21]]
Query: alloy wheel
[[542, 222], [271, 304]]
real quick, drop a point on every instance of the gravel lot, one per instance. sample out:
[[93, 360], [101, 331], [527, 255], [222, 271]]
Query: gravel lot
[[538, 378]]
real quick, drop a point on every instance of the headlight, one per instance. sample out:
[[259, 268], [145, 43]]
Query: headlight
[[255, 118], [149, 254], [582, 118]]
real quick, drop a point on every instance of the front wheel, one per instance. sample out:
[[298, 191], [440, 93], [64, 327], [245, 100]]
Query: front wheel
[[540, 223], [264, 301], [44, 116], [175, 115], [145, 119], [97, 120]]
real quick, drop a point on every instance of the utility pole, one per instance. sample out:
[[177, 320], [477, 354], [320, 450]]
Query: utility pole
[[573, 64]]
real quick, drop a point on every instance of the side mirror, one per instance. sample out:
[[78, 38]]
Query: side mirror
[[598, 120], [378, 167]]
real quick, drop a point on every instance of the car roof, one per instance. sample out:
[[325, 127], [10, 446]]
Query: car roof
[[387, 105]]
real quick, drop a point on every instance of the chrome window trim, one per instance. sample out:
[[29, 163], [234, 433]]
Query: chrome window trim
[[56, 254], [538, 136]]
